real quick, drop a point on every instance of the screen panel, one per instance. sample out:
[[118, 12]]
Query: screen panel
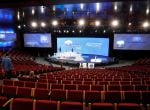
[[7, 39], [86, 45], [39, 40], [131, 41]]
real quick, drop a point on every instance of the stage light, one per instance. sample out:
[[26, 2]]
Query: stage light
[[73, 31], [81, 22], [43, 24], [129, 23], [145, 24], [24, 25], [67, 31], [81, 6], [42, 9], [33, 11], [54, 8], [97, 23], [19, 27], [54, 22], [34, 24], [115, 23], [104, 31], [80, 31], [23, 14], [115, 7], [147, 11], [18, 15], [97, 7], [131, 8]]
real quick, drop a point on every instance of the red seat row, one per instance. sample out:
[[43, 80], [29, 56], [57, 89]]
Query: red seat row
[[29, 104], [100, 87], [77, 95]]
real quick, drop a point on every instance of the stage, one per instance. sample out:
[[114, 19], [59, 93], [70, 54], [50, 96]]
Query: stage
[[80, 60]]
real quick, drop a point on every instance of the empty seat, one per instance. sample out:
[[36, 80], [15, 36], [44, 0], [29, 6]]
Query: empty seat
[[72, 106], [59, 95], [132, 96], [75, 95], [101, 106], [1, 87], [128, 106], [24, 92], [70, 87], [40, 93], [98, 87], [113, 96], [46, 105], [9, 91], [56, 86], [93, 96], [113, 87], [21, 104], [42, 85], [8, 82], [2, 100], [66, 82], [146, 97], [127, 87], [83, 87], [30, 84], [19, 83], [140, 87]]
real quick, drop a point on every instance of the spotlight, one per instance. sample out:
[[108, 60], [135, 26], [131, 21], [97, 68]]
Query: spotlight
[[145, 24], [54, 22], [81, 22], [19, 27], [43, 24], [104, 31], [97, 23], [129, 23], [34, 24], [80, 31], [33, 11], [115, 23]]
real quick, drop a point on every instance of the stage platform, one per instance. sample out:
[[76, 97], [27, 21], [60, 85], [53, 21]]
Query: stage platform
[[78, 60]]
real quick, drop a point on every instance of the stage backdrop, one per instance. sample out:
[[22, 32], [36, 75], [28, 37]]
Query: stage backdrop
[[91, 46]]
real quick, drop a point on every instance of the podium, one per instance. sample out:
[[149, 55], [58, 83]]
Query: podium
[[87, 65]]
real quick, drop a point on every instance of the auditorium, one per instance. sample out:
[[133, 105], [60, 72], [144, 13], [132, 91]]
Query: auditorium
[[75, 54]]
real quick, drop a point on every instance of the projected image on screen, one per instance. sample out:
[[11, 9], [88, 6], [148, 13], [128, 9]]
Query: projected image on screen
[[7, 39], [37, 40], [90, 46], [132, 41]]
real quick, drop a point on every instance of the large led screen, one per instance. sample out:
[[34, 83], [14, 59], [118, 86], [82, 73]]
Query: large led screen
[[92, 46], [132, 41], [7, 39], [39, 40]]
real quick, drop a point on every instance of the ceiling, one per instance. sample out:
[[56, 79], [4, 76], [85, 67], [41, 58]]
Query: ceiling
[[24, 3], [69, 12]]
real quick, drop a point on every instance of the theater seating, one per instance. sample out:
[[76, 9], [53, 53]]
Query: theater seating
[[128, 106], [2, 101], [101, 106]]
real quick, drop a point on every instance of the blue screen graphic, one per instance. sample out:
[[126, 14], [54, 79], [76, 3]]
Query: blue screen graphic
[[7, 39], [132, 41], [6, 15], [39, 40], [91, 46]]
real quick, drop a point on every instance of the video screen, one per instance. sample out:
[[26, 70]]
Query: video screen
[[132, 41], [90, 46], [39, 40], [7, 39]]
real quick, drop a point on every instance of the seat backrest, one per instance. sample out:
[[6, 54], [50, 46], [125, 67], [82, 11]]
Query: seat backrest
[[21, 104]]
